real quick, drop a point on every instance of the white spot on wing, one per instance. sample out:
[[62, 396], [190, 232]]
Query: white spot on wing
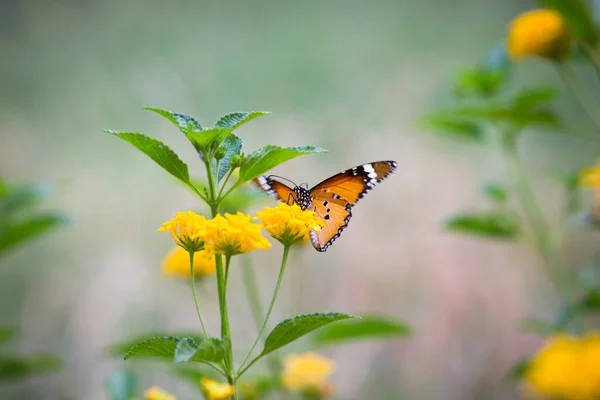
[[370, 171]]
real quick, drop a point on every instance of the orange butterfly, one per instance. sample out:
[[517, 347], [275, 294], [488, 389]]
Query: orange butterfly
[[333, 199]]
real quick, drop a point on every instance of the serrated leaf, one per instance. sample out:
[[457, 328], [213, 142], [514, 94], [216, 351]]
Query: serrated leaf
[[235, 120], [294, 328], [498, 225], [233, 146], [208, 138], [14, 367], [161, 346], [369, 327], [209, 349], [578, 17], [495, 192], [121, 348], [157, 151], [465, 130], [184, 122], [15, 233], [267, 158], [529, 98], [121, 385]]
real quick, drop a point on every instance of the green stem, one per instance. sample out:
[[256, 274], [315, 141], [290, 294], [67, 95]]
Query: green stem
[[252, 292], [541, 231], [587, 101], [193, 279], [224, 184], [195, 189], [221, 282], [594, 55], [286, 251]]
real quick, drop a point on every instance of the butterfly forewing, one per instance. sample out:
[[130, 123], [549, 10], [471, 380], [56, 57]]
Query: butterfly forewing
[[276, 189]]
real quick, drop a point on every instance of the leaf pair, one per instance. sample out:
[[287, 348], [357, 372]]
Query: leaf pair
[[179, 349]]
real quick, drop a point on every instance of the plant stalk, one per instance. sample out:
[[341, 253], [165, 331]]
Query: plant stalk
[[589, 104], [193, 279], [286, 252]]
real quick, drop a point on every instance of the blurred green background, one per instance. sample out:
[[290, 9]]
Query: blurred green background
[[350, 76]]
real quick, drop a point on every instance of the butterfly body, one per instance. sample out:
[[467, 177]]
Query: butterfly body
[[333, 199]]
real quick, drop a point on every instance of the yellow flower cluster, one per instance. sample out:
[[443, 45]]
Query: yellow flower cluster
[[542, 33], [567, 367], [235, 234], [156, 393], [177, 262], [214, 390], [590, 177], [308, 373], [229, 235], [187, 229], [289, 224]]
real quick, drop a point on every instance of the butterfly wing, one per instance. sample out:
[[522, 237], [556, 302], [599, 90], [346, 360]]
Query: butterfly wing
[[336, 214], [334, 198], [275, 189]]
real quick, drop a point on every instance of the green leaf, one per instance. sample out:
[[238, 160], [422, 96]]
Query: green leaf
[[209, 349], [498, 225], [518, 370], [7, 334], [121, 385], [185, 123], [235, 120], [578, 17], [14, 367], [369, 327], [465, 130], [267, 158], [18, 232], [157, 151], [118, 349], [294, 328], [209, 138], [162, 346], [529, 98], [591, 301], [537, 325], [517, 116], [22, 197], [233, 146], [495, 192]]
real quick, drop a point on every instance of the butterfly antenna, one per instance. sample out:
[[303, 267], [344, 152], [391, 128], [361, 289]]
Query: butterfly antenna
[[285, 179], [304, 185]]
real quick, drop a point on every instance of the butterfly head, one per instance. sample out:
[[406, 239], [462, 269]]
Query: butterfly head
[[302, 197]]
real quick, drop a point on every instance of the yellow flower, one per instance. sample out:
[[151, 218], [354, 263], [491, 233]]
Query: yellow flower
[[567, 367], [156, 393], [187, 229], [235, 234], [308, 374], [177, 262], [591, 177], [542, 33], [289, 224], [215, 390]]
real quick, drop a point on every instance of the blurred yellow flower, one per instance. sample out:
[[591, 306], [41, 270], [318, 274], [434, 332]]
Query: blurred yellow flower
[[542, 33], [591, 177], [156, 393], [289, 224], [215, 390], [187, 229], [308, 374], [177, 262], [567, 367], [235, 234]]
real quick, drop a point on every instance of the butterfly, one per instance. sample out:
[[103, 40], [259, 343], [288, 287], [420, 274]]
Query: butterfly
[[331, 200]]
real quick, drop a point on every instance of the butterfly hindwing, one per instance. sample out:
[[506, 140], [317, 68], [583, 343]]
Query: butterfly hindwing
[[335, 212]]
